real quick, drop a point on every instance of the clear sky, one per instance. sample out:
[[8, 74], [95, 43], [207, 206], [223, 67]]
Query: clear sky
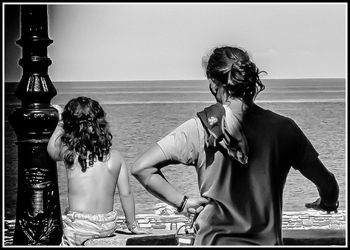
[[159, 41]]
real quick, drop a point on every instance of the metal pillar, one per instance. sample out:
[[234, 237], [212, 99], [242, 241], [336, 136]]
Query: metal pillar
[[38, 213]]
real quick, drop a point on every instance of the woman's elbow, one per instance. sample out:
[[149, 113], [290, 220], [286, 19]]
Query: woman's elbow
[[137, 169]]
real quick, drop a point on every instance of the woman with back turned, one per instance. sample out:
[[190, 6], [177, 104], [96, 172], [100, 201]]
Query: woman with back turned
[[82, 140], [242, 154]]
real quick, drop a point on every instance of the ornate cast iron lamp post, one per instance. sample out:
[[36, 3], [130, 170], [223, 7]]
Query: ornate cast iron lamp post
[[38, 213]]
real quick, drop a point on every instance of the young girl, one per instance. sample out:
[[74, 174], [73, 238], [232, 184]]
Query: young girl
[[82, 140]]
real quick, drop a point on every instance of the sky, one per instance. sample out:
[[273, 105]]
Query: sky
[[163, 41]]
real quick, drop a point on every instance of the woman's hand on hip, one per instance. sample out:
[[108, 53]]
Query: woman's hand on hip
[[195, 205]]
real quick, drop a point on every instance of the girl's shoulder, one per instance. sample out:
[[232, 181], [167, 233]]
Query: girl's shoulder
[[116, 155], [116, 160]]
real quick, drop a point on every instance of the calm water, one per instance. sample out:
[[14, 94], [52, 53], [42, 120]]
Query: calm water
[[140, 113]]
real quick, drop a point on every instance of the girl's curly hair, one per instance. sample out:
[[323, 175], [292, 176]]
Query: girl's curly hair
[[86, 130], [232, 67]]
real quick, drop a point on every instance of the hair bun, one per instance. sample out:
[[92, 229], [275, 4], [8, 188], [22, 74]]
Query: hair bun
[[232, 67]]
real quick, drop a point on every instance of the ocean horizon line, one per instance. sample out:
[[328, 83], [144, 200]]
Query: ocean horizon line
[[195, 92], [202, 102], [174, 80], [199, 102]]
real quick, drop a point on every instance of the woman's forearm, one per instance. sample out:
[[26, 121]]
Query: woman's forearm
[[163, 190], [159, 187], [147, 171], [330, 194]]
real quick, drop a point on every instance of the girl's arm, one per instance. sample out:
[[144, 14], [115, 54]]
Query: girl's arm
[[54, 147], [127, 200]]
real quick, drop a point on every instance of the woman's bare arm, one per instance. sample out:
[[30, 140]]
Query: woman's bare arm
[[147, 172]]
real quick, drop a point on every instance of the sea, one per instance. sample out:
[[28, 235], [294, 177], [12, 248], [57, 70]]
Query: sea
[[142, 112]]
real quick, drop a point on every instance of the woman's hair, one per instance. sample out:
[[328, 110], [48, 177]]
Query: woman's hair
[[86, 130], [232, 68]]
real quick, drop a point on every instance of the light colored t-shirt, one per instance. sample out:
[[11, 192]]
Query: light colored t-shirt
[[245, 205], [185, 142]]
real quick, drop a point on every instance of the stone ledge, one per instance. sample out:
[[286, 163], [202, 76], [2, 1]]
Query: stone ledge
[[308, 227], [168, 237], [314, 237], [163, 228], [124, 237], [309, 219]]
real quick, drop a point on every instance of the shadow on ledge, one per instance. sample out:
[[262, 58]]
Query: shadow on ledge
[[314, 237], [153, 240], [290, 237]]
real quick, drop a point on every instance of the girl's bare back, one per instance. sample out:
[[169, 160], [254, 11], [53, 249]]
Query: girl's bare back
[[93, 191]]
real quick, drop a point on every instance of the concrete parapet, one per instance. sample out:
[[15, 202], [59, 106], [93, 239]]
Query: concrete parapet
[[309, 219], [318, 237], [308, 227]]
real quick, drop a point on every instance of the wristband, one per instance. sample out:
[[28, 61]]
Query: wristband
[[183, 203]]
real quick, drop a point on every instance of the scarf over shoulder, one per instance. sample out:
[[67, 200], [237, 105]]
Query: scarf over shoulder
[[224, 130]]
